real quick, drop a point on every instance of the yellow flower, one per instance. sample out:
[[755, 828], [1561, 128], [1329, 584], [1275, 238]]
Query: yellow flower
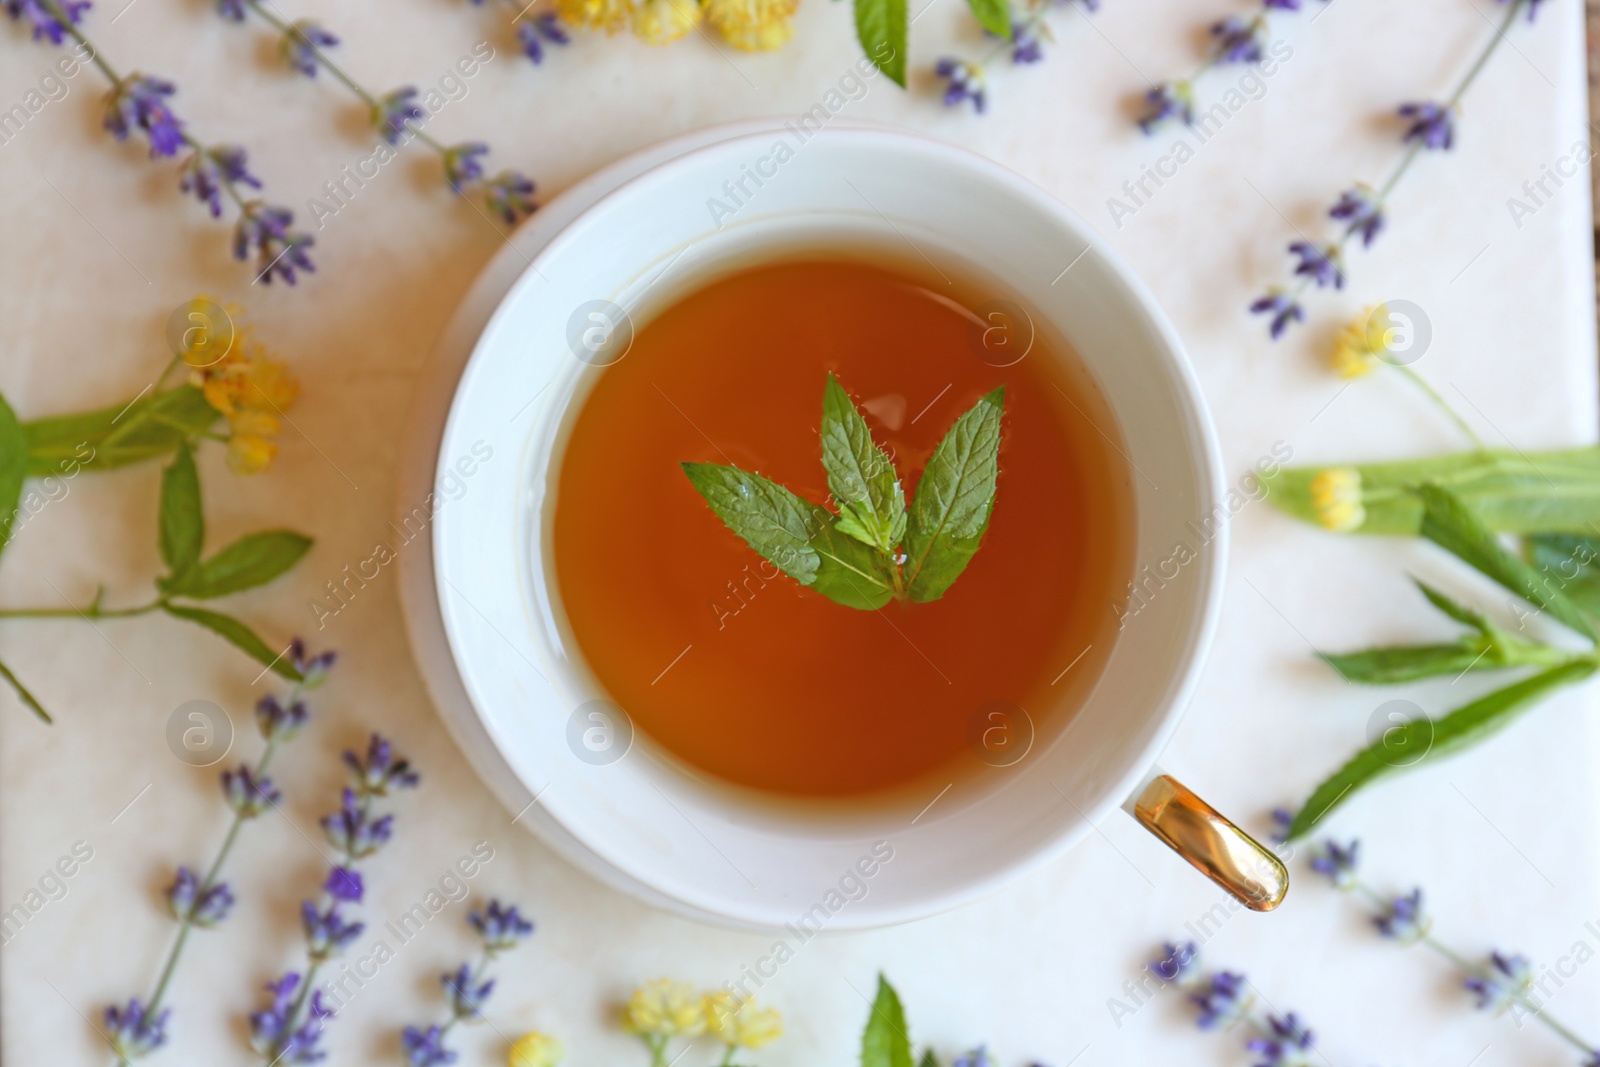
[[753, 25], [737, 1022], [608, 15], [1336, 499], [664, 21], [535, 1050], [1362, 344], [249, 387], [664, 1008]]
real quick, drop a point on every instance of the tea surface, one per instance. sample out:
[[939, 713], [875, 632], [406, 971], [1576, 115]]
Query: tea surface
[[734, 667]]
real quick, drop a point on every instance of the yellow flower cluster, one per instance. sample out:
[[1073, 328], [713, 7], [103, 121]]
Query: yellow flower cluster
[[247, 386], [664, 1008], [1336, 499], [749, 25], [535, 1050], [1360, 345]]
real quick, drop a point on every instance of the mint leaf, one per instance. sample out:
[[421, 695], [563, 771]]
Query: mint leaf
[[884, 1043], [182, 525], [239, 635], [848, 571], [928, 1059], [954, 500], [862, 478], [772, 520], [1407, 663], [118, 435], [1569, 562], [993, 15], [1434, 737], [1457, 611], [253, 560], [881, 27], [1450, 524], [13, 469]]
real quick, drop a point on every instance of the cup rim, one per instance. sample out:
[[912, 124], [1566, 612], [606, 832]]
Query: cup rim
[[1199, 431]]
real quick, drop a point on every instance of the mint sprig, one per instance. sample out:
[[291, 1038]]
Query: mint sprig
[[877, 548]]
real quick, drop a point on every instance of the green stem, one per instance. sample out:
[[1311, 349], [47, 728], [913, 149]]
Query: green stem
[[1441, 403], [24, 695], [93, 611]]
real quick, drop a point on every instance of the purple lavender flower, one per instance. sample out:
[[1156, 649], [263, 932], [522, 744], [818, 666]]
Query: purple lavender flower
[[978, 1057], [44, 23], [1289, 1046], [1167, 102], [1533, 13], [140, 102], [394, 115], [1027, 45], [1500, 982], [207, 171], [1360, 210], [1223, 1000], [1321, 265], [301, 1047], [1432, 125], [232, 10], [327, 932], [313, 669], [134, 1032], [302, 44], [1179, 962], [510, 195], [206, 907], [344, 884], [535, 32], [500, 927], [1283, 308], [248, 795], [264, 230], [467, 996], [1403, 918], [1282, 819], [279, 723], [349, 830], [964, 82], [1238, 39], [463, 165], [425, 1048], [269, 1029], [1337, 863], [381, 769]]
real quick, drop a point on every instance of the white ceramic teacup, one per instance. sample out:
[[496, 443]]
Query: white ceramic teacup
[[513, 686]]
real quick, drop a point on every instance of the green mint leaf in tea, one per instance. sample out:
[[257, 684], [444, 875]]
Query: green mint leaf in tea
[[862, 478], [850, 572], [772, 520], [954, 500]]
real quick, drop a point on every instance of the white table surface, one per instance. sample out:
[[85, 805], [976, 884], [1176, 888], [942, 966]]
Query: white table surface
[[97, 249]]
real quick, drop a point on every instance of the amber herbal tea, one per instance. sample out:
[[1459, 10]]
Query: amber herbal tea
[[828, 513]]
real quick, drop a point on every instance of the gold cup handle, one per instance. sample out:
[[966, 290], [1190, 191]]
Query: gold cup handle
[[1219, 849]]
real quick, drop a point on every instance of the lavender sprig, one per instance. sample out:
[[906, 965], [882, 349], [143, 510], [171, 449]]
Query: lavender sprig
[[1024, 33], [1224, 1000], [288, 1030], [1502, 982], [396, 116], [1431, 127], [205, 900], [139, 103], [535, 31], [500, 928], [1236, 39]]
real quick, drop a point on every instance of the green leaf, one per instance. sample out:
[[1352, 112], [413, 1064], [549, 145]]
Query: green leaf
[[1434, 738], [954, 500], [881, 27], [861, 476], [772, 520], [849, 572], [1537, 492], [993, 15], [884, 1043], [928, 1059], [253, 560], [23, 695], [115, 436], [1456, 610], [239, 635], [13, 469], [1569, 562], [182, 525], [1407, 663], [1449, 523]]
